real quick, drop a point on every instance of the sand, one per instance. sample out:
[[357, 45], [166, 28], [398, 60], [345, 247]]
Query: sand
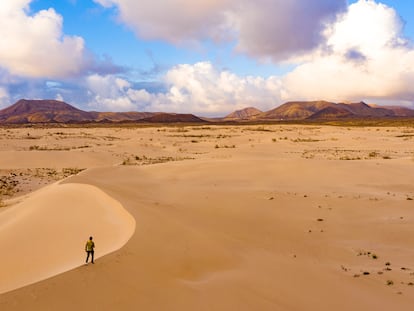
[[41, 236], [235, 218]]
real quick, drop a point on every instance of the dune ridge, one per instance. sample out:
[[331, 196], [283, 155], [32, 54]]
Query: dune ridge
[[44, 235]]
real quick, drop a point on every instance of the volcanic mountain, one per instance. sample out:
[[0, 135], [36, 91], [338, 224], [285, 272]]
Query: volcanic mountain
[[43, 111], [324, 110], [330, 113], [243, 114], [398, 110], [361, 109], [296, 110], [54, 111], [173, 118]]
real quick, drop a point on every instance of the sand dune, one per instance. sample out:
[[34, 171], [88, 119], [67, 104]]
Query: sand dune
[[45, 234], [290, 218]]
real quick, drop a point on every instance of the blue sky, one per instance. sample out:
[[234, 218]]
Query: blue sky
[[207, 57]]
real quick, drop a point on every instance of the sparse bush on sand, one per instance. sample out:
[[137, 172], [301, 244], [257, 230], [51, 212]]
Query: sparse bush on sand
[[225, 146]]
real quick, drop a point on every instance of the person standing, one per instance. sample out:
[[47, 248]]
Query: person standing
[[90, 249]]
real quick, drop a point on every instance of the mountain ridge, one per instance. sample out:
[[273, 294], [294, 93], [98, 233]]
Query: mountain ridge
[[27, 111]]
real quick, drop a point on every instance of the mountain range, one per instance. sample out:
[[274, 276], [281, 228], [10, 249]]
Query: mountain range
[[52, 111], [324, 110]]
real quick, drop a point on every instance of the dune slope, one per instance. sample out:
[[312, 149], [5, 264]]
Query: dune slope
[[45, 234], [229, 235]]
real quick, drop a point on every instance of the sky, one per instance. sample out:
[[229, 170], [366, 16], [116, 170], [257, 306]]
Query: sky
[[206, 57]]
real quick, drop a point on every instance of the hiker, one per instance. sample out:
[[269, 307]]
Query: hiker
[[89, 248]]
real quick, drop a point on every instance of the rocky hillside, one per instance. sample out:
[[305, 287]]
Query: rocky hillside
[[173, 118], [42, 111], [243, 114], [324, 110], [53, 111]]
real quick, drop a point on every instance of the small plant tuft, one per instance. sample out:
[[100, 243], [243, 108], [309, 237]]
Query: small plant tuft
[[390, 282]]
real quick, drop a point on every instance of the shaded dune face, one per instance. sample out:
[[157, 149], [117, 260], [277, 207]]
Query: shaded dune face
[[45, 234]]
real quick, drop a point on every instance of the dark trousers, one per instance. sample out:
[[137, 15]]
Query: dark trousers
[[89, 253]]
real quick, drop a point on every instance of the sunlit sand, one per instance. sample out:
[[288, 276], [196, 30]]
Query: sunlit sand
[[211, 218]]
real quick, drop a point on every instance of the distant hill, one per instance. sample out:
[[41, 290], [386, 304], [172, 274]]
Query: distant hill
[[244, 114], [296, 110], [320, 110], [329, 113], [54, 111], [323, 110], [173, 118], [121, 116], [361, 109], [398, 110], [42, 111]]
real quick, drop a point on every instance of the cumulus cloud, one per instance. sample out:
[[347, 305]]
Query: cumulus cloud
[[211, 91], [109, 93], [365, 57], [34, 45], [275, 29], [282, 30], [200, 89], [359, 54], [175, 20]]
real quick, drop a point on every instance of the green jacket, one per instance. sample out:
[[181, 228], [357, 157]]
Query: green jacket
[[90, 245]]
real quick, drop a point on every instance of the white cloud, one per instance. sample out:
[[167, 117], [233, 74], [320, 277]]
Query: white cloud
[[263, 28], [365, 57], [200, 89], [203, 89], [342, 53], [175, 20], [33, 45], [368, 26], [282, 30], [111, 93], [361, 55]]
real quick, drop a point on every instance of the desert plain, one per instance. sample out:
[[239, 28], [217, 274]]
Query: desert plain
[[207, 217]]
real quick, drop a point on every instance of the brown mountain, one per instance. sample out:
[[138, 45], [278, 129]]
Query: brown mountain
[[42, 111], [296, 110], [121, 116], [398, 110], [321, 110], [53, 111], [173, 118], [329, 113], [361, 109], [243, 114]]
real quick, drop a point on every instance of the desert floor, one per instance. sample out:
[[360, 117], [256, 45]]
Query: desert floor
[[248, 217]]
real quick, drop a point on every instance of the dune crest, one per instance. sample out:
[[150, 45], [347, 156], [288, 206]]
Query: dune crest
[[44, 235]]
